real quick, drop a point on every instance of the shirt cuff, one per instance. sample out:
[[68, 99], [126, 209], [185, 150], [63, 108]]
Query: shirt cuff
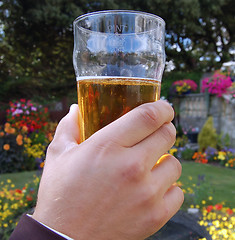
[[53, 230]]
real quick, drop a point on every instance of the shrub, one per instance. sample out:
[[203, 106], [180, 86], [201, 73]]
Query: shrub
[[187, 154], [207, 137]]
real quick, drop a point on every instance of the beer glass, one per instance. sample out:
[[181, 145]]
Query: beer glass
[[119, 58]]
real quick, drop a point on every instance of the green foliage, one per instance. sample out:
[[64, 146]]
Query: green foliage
[[207, 137], [223, 140], [37, 40], [187, 154], [11, 160]]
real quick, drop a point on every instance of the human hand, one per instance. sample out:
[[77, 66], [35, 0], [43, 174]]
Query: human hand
[[106, 187]]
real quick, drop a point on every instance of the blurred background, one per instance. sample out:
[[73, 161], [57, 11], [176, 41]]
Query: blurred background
[[37, 86], [36, 42]]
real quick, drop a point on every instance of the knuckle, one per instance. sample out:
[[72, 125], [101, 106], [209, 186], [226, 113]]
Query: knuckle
[[134, 171], [156, 217], [148, 196], [105, 148], [177, 166], [149, 114], [180, 195], [170, 109], [169, 132], [52, 148]]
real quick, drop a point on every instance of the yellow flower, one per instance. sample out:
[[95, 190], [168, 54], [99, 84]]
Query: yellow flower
[[221, 155], [5, 225], [173, 150], [210, 198]]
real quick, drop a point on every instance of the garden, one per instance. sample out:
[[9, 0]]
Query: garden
[[208, 170], [38, 85]]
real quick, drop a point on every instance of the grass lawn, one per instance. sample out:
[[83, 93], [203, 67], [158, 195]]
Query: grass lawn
[[219, 181], [19, 179]]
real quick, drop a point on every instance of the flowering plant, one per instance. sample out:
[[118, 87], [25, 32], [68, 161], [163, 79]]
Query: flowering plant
[[184, 86], [231, 91], [11, 149], [26, 113], [219, 221], [22, 150], [14, 202], [225, 157], [218, 84], [200, 157]]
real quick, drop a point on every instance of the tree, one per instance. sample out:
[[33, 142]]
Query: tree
[[36, 43]]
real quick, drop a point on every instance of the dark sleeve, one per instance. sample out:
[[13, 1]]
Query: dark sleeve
[[29, 229]]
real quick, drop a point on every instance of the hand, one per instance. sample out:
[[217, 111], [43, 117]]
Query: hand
[[106, 187]]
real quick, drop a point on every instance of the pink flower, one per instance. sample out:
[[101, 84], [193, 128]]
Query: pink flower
[[218, 84]]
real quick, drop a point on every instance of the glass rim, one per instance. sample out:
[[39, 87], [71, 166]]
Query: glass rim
[[83, 16]]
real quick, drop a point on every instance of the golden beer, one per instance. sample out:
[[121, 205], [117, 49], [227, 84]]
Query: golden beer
[[104, 99]]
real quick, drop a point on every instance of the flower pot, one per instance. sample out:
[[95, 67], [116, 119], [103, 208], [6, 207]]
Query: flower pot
[[192, 136]]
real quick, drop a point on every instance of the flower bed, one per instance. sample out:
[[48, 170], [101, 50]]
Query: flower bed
[[25, 137], [13, 203], [224, 156], [218, 219]]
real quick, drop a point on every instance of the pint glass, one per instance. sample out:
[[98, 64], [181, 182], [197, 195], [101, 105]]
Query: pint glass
[[119, 59]]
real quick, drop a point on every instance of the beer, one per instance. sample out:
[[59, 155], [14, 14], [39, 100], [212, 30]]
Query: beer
[[104, 99]]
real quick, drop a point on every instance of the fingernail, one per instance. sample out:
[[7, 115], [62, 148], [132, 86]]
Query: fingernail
[[71, 107]]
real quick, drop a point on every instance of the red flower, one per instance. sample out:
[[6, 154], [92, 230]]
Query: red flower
[[18, 191], [218, 206], [209, 208], [229, 211], [29, 198]]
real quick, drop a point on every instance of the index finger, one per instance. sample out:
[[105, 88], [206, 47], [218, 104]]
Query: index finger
[[137, 124]]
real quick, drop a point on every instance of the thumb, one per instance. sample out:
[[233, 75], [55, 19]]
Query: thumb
[[67, 130]]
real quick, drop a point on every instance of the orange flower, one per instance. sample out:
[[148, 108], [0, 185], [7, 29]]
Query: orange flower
[[25, 129], [12, 130], [50, 137], [19, 139], [6, 147], [1, 134], [7, 125], [41, 164], [200, 157]]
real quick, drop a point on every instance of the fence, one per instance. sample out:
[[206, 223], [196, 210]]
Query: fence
[[194, 110]]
